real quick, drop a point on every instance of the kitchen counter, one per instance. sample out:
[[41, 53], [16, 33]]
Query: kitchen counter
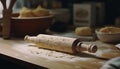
[[16, 51]]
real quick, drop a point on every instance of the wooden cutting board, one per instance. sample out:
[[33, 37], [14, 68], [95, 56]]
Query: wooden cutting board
[[16, 50]]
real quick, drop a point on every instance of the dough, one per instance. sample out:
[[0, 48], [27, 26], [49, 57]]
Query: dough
[[83, 31], [110, 30], [37, 12], [26, 12]]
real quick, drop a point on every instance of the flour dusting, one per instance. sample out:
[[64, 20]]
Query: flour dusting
[[30, 49]]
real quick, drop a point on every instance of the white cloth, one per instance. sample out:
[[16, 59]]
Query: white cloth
[[118, 46], [112, 64]]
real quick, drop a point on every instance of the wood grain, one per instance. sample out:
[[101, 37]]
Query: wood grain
[[88, 60]]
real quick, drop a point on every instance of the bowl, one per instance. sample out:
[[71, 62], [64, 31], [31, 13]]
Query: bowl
[[30, 25], [108, 37]]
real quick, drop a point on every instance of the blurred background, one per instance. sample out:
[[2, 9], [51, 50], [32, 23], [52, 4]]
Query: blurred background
[[112, 7]]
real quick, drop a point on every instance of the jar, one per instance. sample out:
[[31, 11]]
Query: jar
[[117, 22]]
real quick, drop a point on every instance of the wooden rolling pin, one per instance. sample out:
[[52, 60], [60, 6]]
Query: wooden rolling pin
[[59, 43]]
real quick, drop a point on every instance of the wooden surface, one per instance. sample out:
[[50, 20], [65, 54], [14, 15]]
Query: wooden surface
[[87, 60]]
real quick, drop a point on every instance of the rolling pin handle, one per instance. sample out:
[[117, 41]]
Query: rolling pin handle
[[88, 47], [92, 48]]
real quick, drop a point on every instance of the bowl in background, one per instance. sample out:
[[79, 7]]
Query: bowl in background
[[30, 25], [108, 37]]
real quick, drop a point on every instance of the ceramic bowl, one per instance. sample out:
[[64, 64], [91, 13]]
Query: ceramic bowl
[[108, 37], [30, 25]]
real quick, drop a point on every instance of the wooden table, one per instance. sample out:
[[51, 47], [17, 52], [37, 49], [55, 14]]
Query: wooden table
[[87, 60]]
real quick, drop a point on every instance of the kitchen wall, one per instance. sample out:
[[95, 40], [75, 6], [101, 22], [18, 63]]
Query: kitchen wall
[[112, 8]]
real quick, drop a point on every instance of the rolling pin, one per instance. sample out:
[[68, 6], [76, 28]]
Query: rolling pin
[[59, 43]]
